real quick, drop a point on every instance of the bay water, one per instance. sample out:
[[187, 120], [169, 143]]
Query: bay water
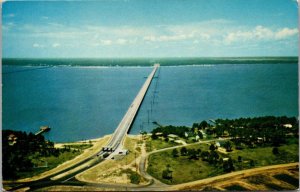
[[89, 102]]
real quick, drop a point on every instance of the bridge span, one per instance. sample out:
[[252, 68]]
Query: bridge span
[[118, 136]]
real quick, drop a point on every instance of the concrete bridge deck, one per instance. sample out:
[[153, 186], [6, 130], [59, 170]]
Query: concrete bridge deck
[[116, 140]]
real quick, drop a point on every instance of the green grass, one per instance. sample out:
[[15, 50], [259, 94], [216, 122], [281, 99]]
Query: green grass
[[52, 163], [156, 144], [264, 156], [79, 146], [288, 179], [184, 169], [134, 177]]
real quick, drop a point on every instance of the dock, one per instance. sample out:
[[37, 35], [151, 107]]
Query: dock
[[43, 129]]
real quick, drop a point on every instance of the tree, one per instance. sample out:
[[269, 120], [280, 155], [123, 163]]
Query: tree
[[192, 153], [228, 146], [228, 165], [212, 147], [203, 124], [198, 152], [183, 151], [167, 173], [251, 163], [205, 155], [275, 151], [135, 178], [154, 136], [240, 159], [175, 153], [200, 135]]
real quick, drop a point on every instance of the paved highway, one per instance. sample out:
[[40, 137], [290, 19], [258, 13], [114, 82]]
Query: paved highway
[[116, 140]]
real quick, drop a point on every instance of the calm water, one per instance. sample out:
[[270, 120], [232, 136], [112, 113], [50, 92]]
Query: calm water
[[85, 102]]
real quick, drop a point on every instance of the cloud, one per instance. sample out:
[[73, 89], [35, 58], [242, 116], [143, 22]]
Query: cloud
[[285, 33], [207, 33], [259, 33], [106, 42], [55, 45], [164, 38], [44, 17], [36, 45], [122, 41]]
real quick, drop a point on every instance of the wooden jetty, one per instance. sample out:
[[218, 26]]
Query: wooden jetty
[[43, 129]]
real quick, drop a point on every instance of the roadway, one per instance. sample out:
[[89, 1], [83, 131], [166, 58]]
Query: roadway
[[116, 140]]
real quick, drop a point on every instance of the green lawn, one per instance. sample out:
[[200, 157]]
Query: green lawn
[[52, 162], [156, 144], [79, 146], [185, 170], [264, 156]]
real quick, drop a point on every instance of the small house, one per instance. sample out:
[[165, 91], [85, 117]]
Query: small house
[[173, 136], [12, 139], [287, 126]]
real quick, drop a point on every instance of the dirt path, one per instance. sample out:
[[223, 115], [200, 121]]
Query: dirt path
[[229, 176]]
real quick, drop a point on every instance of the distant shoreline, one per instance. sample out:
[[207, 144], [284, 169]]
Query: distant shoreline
[[146, 62]]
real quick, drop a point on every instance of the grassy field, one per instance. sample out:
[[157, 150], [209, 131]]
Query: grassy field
[[264, 156], [51, 161], [152, 145], [184, 169], [80, 146]]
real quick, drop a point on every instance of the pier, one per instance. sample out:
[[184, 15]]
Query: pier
[[43, 129], [118, 136]]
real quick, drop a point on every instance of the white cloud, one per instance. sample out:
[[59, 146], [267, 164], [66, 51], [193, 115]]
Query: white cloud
[[212, 32], [164, 38], [259, 33], [36, 45], [55, 45], [285, 33], [106, 42], [122, 41]]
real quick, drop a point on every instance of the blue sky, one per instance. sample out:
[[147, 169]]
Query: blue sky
[[150, 28]]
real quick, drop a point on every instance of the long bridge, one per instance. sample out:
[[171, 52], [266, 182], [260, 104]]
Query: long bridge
[[118, 136], [115, 143]]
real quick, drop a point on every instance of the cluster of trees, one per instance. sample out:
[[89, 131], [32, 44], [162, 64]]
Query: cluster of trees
[[180, 131], [211, 156], [17, 156], [271, 129], [202, 125], [191, 153], [167, 173]]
